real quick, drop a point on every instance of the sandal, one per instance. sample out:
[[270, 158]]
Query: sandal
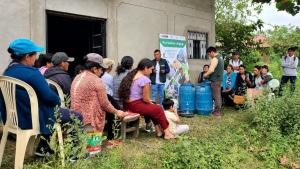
[[160, 136]]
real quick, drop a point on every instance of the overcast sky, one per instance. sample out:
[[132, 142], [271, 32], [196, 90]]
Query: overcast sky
[[271, 16]]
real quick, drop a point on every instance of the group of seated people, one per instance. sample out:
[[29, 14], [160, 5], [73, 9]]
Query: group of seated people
[[95, 94], [237, 80], [238, 83]]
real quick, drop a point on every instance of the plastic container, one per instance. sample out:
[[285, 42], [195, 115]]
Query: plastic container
[[204, 101], [186, 99]]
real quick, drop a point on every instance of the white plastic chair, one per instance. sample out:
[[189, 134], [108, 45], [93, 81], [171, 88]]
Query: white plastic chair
[[273, 84], [58, 127], [25, 137], [59, 91]]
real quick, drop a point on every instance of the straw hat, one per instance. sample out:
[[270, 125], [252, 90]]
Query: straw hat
[[108, 62]]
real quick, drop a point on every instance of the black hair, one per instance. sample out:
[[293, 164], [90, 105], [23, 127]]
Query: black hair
[[205, 66], [257, 67], [144, 63], [156, 50], [78, 69], [126, 83], [265, 67], [230, 65], [243, 66], [126, 64], [167, 103], [211, 49], [18, 58], [236, 53], [293, 48], [43, 60]]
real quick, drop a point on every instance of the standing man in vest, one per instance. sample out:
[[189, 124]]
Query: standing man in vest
[[289, 65], [158, 76], [215, 75]]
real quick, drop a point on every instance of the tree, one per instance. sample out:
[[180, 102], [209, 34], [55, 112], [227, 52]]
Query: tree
[[283, 37], [233, 29], [290, 6], [228, 10]]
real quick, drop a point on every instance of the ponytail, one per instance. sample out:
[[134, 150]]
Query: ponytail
[[126, 64], [125, 85], [120, 69]]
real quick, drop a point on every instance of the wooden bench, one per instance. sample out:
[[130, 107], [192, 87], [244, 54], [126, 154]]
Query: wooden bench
[[134, 119]]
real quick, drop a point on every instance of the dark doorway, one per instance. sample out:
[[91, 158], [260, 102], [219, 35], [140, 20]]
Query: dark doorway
[[76, 35]]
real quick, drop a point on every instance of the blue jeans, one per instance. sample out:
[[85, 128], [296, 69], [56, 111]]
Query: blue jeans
[[160, 89]]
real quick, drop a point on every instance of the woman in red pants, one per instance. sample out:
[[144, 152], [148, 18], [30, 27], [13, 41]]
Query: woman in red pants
[[135, 90]]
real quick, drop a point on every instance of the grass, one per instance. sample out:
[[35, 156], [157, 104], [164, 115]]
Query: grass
[[146, 151]]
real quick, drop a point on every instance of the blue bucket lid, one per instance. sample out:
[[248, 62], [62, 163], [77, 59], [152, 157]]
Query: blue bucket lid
[[187, 84], [205, 83]]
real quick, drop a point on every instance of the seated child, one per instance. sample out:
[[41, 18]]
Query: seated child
[[173, 118]]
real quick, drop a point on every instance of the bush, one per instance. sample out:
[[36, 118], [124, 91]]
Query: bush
[[270, 133], [278, 116], [192, 153]]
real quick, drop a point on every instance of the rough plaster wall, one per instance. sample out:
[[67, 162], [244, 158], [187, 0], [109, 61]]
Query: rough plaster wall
[[132, 25], [95, 8], [201, 5], [181, 16], [138, 30], [183, 23], [15, 23]]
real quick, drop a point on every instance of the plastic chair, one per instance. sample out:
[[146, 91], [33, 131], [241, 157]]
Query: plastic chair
[[24, 136], [59, 91], [58, 127], [273, 84]]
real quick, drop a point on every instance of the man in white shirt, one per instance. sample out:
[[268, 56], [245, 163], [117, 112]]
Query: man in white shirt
[[289, 64], [235, 61], [158, 76]]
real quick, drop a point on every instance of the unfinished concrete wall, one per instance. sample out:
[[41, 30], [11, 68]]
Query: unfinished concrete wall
[[15, 23], [133, 26], [139, 23]]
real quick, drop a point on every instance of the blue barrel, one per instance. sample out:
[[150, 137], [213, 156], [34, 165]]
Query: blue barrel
[[187, 98], [204, 101]]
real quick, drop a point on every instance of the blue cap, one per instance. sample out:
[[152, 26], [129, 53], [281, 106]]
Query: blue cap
[[24, 46]]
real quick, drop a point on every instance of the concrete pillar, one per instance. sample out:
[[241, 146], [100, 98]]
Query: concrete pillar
[[38, 22]]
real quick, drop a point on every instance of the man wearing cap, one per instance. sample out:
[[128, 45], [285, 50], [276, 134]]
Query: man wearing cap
[[289, 64], [58, 73]]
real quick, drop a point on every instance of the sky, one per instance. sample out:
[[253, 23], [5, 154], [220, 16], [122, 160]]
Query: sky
[[271, 16]]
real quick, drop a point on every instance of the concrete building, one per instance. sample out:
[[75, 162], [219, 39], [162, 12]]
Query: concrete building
[[113, 28]]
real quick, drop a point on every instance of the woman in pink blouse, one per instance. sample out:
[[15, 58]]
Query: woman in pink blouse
[[88, 94], [135, 93]]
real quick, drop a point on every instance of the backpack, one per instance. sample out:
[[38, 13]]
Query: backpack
[[286, 57], [232, 62]]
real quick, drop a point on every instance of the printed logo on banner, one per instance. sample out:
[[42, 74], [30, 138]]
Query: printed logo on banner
[[173, 49]]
